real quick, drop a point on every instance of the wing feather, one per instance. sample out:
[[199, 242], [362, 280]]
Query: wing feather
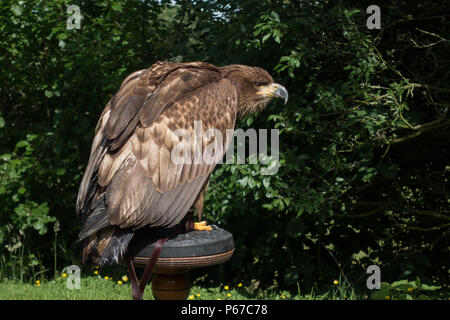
[[98, 150], [111, 163]]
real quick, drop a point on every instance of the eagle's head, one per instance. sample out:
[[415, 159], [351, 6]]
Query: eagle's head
[[255, 85]]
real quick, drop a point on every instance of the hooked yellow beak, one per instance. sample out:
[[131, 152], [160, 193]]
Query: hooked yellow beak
[[274, 90]]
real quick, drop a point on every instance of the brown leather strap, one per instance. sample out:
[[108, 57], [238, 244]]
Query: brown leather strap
[[133, 279], [151, 263], [138, 290]]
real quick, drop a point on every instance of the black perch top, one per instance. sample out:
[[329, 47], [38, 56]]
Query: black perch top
[[184, 245]]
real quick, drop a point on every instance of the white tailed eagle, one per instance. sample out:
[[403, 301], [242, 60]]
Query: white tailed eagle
[[130, 182]]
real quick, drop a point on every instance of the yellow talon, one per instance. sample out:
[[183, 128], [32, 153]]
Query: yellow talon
[[201, 226]]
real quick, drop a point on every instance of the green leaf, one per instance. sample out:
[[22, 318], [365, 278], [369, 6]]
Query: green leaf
[[308, 207], [405, 296], [402, 287], [21, 144], [429, 288], [63, 36], [275, 16], [16, 9], [244, 181], [277, 39], [381, 294], [117, 6], [251, 182], [257, 32]]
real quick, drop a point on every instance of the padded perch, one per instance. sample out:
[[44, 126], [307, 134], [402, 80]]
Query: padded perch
[[189, 250]]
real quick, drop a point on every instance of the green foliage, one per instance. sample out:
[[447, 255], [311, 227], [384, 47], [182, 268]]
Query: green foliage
[[406, 290], [27, 219], [355, 144], [363, 171]]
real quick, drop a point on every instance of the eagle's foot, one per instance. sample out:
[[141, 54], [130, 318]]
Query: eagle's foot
[[201, 226]]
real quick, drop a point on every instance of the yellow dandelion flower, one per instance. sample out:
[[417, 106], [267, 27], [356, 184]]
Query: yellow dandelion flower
[[198, 294], [228, 295], [239, 285], [106, 277], [119, 282], [38, 282], [125, 278], [336, 282], [226, 287], [96, 272], [64, 275], [219, 299], [191, 297]]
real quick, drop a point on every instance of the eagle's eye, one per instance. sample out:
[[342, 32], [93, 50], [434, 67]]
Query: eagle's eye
[[259, 84]]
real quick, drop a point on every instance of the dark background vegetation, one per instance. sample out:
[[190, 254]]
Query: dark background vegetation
[[364, 139]]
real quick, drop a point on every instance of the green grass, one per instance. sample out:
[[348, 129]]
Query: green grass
[[96, 287], [112, 283], [92, 288]]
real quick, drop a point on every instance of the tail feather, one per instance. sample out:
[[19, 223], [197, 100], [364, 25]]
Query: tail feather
[[106, 246], [96, 221], [116, 247]]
